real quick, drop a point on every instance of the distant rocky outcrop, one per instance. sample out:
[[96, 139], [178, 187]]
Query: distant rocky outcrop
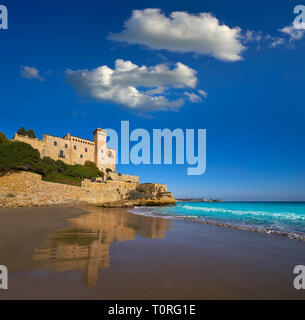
[[145, 194], [197, 200]]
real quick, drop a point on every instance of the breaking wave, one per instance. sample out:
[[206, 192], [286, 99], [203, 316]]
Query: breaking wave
[[284, 219]]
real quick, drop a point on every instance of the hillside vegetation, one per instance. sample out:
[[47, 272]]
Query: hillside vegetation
[[20, 156]]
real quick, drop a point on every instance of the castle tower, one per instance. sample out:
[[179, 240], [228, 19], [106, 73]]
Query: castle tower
[[100, 152]]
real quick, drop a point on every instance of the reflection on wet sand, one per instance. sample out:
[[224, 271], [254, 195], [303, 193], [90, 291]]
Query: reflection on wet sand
[[85, 245]]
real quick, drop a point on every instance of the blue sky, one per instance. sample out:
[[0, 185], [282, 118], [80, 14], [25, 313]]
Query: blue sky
[[254, 112]]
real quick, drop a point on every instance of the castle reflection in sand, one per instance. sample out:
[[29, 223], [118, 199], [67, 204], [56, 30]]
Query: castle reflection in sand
[[86, 244]]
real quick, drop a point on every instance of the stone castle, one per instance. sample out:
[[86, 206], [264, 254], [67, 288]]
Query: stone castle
[[74, 150], [27, 189]]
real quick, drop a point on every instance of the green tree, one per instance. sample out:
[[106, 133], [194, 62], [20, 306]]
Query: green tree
[[21, 131], [19, 156], [48, 165], [3, 139], [30, 133]]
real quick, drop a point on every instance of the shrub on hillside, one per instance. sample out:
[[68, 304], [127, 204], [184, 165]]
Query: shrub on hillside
[[61, 166], [48, 165], [79, 171], [91, 165], [94, 167], [19, 156], [3, 139], [134, 195], [61, 178]]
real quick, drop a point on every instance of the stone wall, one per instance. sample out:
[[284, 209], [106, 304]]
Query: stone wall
[[25, 189], [99, 192], [34, 142], [123, 177]]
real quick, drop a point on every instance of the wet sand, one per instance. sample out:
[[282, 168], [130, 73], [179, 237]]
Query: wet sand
[[96, 253]]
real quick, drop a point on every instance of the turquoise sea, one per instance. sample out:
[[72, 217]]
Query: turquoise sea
[[283, 218]]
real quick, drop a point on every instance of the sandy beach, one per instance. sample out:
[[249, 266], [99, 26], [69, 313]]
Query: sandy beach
[[97, 253]]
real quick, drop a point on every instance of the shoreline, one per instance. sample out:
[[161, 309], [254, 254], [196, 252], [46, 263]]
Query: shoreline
[[129, 205], [298, 236], [89, 252], [295, 235]]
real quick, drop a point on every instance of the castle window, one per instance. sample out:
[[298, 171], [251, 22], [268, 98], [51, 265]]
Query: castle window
[[102, 151], [86, 150], [81, 156], [66, 146], [61, 154], [55, 143], [74, 147]]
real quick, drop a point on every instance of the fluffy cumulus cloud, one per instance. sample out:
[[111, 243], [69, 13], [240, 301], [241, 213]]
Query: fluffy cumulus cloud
[[184, 32], [30, 73], [139, 88]]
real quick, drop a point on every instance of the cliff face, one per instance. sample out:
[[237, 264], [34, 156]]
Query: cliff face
[[26, 189]]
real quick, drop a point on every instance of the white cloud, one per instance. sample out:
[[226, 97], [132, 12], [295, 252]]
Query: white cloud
[[183, 32], [253, 36], [193, 97], [30, 73], [293, 33], [286, 38], [275, 41], [138, 88], [203, 93], [262, 40]]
